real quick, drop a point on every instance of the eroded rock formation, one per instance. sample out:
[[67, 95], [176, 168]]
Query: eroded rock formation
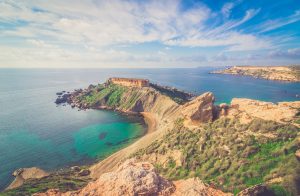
[[139, 178], [24, 174], [200, 109]]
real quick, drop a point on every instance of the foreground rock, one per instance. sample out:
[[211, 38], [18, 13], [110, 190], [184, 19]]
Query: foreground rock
[[24, 174], [195, 187], [138, 178], [280, 73]]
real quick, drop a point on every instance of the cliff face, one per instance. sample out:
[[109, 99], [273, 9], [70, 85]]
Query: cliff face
[[291, 74]]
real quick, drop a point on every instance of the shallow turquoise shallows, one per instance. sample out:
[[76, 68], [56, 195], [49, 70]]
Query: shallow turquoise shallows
[[35, 132]]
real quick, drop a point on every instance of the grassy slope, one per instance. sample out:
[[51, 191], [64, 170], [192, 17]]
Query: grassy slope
[[124, 97], [251, 159], [66, 180]]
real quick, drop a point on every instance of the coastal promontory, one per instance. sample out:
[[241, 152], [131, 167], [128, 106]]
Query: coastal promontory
[[280, 73]]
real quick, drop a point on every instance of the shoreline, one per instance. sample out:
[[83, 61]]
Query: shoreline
[[148, 119], [111, 162]]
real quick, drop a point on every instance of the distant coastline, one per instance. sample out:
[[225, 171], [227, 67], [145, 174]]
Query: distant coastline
[[279, 73]]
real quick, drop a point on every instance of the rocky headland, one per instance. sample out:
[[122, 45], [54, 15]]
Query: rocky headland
[[280, 73], [193, 147], [23, 174]]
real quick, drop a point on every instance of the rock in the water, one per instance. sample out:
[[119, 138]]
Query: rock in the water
[[75, 168], [84, 172], [62, 99]]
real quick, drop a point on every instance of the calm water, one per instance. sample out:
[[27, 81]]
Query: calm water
[[34, 132]]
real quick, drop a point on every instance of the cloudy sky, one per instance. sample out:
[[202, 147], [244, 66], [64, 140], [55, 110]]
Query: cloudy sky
[[161, 33]]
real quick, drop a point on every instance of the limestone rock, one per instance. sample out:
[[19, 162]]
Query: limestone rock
[[75, 168], [131, 178], [248, 108], [200, 109], [23, 174], [195, 187]]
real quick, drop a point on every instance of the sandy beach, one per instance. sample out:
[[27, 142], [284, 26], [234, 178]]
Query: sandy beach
[[113, 161]]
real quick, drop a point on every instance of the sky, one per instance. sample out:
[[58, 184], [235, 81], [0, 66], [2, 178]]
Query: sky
[[148, 34]]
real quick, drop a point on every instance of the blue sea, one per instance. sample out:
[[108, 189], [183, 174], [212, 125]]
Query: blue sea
[[36, 132]]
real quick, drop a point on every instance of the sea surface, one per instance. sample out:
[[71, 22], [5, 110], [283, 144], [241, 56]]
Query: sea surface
[[36, 132]]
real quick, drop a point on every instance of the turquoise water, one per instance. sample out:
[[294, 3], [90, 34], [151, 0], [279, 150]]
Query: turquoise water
[[35, 132]]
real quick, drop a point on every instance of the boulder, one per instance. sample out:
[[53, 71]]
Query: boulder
[[84, 172], [195, 187], [201, 109], [75, 168], [18, 172]]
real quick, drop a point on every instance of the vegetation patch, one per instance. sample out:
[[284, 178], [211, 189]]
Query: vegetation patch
[[232, 156], [63, 180]]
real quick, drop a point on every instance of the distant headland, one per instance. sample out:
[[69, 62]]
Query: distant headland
[[280, 73]]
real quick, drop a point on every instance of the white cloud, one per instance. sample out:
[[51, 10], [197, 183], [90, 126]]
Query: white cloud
[[226, 9], [270, 25], [118, 22], [72, 31]]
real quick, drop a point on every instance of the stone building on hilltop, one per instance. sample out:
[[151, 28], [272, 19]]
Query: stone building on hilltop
[[131, 82]]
